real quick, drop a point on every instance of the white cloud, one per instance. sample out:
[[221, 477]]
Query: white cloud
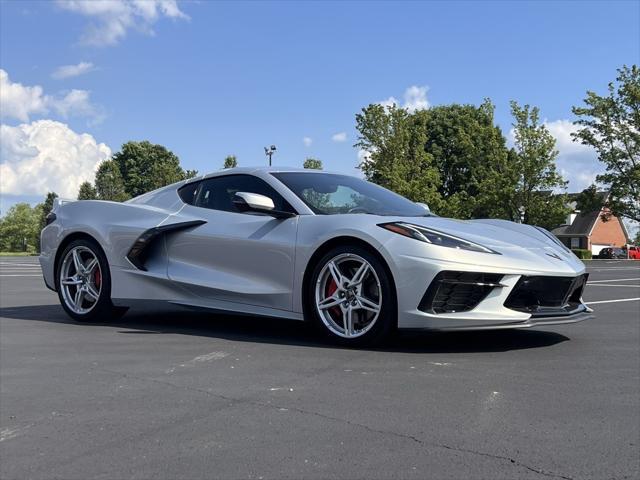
[[307, 141], [415, 98], [20, 102], [68, 71], [112, 19], [339, 137], [364, 156], [576, 162], [46, 155]]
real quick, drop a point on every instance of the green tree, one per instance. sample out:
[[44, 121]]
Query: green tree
[[45, 210], [230, 161], [87, 192], [145, 167], [47, 206], [109, 182], [393, 142], [312, 163], [534, 160], [611, 124], [20, 228], [452, 157], [589, 200]]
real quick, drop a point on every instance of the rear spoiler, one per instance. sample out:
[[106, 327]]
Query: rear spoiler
[[58, 202]]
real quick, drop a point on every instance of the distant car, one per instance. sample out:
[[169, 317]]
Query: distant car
[[613, 253], [353, 258], [634, 253]]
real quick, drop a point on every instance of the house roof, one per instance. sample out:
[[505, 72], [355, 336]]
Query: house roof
[[581, 226]]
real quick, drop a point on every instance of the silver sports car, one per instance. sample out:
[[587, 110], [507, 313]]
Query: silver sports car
[[353, 258]]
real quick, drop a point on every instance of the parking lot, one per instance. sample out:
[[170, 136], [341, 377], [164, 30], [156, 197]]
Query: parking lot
[[186, 395]]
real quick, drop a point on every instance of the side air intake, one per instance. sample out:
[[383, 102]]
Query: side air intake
[[139, 250]]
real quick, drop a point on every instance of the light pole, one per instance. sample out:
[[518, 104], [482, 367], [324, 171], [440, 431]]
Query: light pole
[[269, 151]]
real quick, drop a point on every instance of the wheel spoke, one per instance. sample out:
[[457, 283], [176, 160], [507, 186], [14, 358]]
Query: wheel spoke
[[77, 300], [71, 281], [88, 268], [358, 277], [91, 293], [329, 302], [367, 304], [77, 261], [335, 273], [348, 322]]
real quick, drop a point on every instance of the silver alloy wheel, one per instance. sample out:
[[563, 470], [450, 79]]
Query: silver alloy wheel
[[80, 280], [348, 295]]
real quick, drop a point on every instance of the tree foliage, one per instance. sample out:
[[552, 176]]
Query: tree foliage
[[312, 163], [230, 161], [47, 206], [445, 156], [455, 159], [145, 166], [537, 178], [589, 200], [19, 228], [109, 183], [394, 140], [611, 124], [87, 192]]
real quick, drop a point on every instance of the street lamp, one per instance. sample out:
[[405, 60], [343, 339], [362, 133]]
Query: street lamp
[[269, 151]]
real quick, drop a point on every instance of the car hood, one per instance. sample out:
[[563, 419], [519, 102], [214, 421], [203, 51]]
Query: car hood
[[524, 244]]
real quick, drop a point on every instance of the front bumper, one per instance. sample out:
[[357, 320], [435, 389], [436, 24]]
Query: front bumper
[[584, 314], [416, 275]]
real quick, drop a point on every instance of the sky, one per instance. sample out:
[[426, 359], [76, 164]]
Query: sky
[[212, 78]]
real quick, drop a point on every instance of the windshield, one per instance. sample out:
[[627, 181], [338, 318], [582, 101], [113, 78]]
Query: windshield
[[332, 194]]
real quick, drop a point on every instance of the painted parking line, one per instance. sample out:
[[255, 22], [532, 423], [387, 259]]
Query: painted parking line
[[614, 280], [616, 285], [16, 275], [614, 301]]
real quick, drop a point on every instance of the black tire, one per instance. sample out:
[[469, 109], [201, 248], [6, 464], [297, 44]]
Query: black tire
[[386, 321], [103, 309]]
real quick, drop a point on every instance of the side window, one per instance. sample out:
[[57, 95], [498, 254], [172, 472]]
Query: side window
[[217, 193], [188, 192]]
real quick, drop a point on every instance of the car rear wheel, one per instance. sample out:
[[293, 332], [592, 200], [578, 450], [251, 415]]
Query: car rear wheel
[[83, 282], [351, 297]]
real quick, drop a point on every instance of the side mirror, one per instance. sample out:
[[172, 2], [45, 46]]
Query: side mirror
[[425, 206], [254, 202]]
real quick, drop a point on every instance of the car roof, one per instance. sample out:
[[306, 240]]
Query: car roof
[[254, 170]]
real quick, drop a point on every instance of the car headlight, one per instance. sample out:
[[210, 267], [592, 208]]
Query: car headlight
[[434, 237], [553, 238]]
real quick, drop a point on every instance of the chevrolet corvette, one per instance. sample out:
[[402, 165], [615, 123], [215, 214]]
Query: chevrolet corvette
[[353, 258]]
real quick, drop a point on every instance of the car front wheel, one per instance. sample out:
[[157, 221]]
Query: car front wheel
[[351, 296]]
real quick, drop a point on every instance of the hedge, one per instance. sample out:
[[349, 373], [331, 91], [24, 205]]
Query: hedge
[[582, 253]]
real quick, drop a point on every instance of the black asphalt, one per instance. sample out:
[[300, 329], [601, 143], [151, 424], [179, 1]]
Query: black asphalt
[[184, 395]]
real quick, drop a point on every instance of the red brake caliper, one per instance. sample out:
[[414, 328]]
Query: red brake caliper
[[331, 288], [97, 278]]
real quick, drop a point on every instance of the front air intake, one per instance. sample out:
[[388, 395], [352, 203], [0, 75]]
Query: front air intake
[[452, 292], [544, 296]]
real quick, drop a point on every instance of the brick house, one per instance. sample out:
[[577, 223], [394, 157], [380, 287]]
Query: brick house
[[592, 230]]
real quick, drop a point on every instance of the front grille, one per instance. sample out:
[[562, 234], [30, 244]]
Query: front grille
[[542, 296], [451, 292]]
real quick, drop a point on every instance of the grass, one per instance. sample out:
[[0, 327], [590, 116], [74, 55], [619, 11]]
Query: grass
[[17, 254]]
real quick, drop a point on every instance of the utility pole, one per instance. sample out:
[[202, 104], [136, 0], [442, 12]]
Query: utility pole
[[269, 151]]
